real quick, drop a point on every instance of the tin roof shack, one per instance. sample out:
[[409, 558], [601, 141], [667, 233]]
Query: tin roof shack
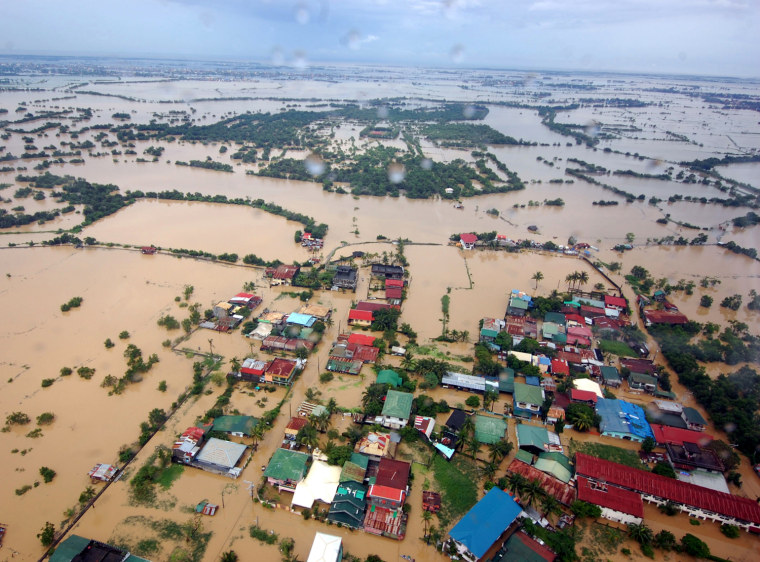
[[317, 311], [79, 549], [283, 274], [220, 457], [102, 473], [345, 277], [611, 376], [376, 446], [693, 419], [618, 505], [693, 500], [248, 300], [188, 445], [491, 328], [326, 548], [470, 383], [252, 369], [396, 409], [483, 530], [652, 317], [222, 309], [563, 493], [387, 271], [349, 505], [286, 469], [528, 399], [294, 426], [690, 456]]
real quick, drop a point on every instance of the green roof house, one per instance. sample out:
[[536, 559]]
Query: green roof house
[[355, 469], [287, 468], [488, 429], [241, 426], [507, 380], [640, 381], [528, 399], [389, 376], [397, 409], [349, 504], [556, 464], [693, 419], [536, 439], [611, 376], [80, 548]]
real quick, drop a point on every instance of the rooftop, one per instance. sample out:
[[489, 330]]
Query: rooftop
[[619, 416], [675, 435], [529, 394], [325, 548], [287, 465], [389, 376], [522, 548], [563, 493], [221, 453], [235, 424], [481, 527], [489, 429], [398, 404], [610, 497], [393, 474]]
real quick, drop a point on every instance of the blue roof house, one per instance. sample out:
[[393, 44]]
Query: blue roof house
[[623, 420], [483, 529]]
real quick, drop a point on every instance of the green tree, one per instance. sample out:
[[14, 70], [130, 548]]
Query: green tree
[[229, 556], [532, 493], [472, 401], [706, 301], [308, 437], [640, 533], [648, 445], [694, 546], [47, 534], [516, 482], [665, 540], [537, 277], [87, 495]]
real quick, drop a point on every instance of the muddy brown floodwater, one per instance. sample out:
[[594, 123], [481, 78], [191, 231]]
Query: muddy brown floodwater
[[124, 290]]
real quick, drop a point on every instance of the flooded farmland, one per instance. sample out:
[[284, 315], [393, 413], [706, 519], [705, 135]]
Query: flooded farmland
[[125, 291]]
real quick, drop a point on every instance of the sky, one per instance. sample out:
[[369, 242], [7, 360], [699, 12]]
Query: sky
[[700, 37]]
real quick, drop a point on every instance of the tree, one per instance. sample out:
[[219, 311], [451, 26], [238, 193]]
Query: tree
[[630, 237], [640, 533], [235, 366], [229, 556], [583, 277], [665, 540], [497, 451], [472, 401], [731, 531], [694, 546], [517, 483], [532, 492], [489, 469], [426, 518], [559, 426], [706, 301], [537, 277], [648, 445], [473, 446], [87, 495], [550, 505], [320, 422], [47, 534], [489, 398], [663, 468], [308, 437], [408, 363]]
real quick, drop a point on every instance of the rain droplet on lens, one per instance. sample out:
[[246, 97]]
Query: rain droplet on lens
[[468, 111], [301, 13], [396, 172], [352, 40], [382, 111], [314, 164], [457, 53], [426, 164], [278, 57], [592, 128], [730, 427], [299, 60]]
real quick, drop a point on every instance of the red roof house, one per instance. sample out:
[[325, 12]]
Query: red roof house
[[610, 497], [372, 306], [398, 283], [361, 339], [664, 317], [560, 367], [584, 396], [360, 317], [468, 241], [280, 371], [703, 500], [591, 311], [393, 293], [617, 303], [393, 473], [285, 272], [664, 434]]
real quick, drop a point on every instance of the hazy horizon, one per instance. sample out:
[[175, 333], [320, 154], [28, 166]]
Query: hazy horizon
[[682, 37]]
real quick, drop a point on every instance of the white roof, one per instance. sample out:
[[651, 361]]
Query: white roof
[[527, 357], [668, 406], [325, 548], [588, 384], [221, 453], [262, 330], [320, 483]]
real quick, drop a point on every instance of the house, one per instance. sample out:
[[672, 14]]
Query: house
[[548, 384], [623, 420], [220, 457], [652, 317], [645, 366], [664, 434], [579, 335], [555, 414], [102, 473], [349, 504], [560, 368], [470, 383], [483, 530], [695, 501], [281, 371], [617, 303], [285, 273], [491, 328], [389, 376], [286, 469], [394, 283], [537, 439], [376, 446], [386, 498], [188, 445], [556, 464], [691, 456], [456, 420], [362, 318], [317, 311], [519, 303], [222, 309], [424, 425], [148, 250], [320, 484], [528, 399], [239, 426], [431, 501], [77, 549], [583, 397], [467, 241], [694, 420], [611, 376], [295, 425], [588, 384], [344, 365], [521, 547], [326, 548], [387, 271], [394, 294], [396, 409], [355, 468], [489, 429], [345, 277], [252, 369], [640, 381], [617, 504], [300, 320], [361, 339]]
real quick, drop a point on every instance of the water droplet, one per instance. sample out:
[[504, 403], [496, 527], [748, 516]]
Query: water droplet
[[593, 128], [314, 164], [468, 112], [396, 172], [352, 40], [299, 60], [426, 164], [278, 57], [730, 427], [681, 56], [457, 53], [301, 14], [382, 111]]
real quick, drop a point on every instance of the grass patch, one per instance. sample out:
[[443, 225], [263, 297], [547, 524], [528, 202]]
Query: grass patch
[[617, 348], [169, 475], [458, 482], [431, 351], [167, 535], [608, 452]]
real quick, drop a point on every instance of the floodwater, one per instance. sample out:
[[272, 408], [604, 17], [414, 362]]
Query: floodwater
[[124, 290]]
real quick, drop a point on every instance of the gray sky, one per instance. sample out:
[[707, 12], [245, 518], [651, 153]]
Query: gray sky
[[716, 37]]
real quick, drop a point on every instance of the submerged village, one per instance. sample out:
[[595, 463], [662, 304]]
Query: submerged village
[[474, 357]]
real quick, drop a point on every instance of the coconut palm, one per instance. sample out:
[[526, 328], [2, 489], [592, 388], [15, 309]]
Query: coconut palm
[[408, 363], [257, 432], [516, 483], [489, 398], [550, 506], [489, 469], [537, 277], [321, 422], [332, 405], [229, 556], [497, 451], [583, 421], [532, 493], [426, 518], [235, 366], [468, 427], [307, 436], [583, 278], [473, 446], [640, 533], [570, 279]]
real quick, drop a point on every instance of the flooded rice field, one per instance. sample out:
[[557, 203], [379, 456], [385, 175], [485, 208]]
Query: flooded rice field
[[124, 291]]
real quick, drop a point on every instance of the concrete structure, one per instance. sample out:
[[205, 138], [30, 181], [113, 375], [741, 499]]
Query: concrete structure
[[618, 505], [326, 548], [286, 469], [396, 409]]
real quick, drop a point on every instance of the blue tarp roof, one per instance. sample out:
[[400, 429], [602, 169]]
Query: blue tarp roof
[[620, 416], [301, 319], [533, 381], [486, 521]]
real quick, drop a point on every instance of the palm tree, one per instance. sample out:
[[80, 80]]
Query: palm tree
[[307, 436], [570, 278], [583, 421], [321, 422], [468, 427], [532, 493], [497, 451], [408, 363], [257, 433], [537, 277], [517, 483], [464, 335], [583, 278], [332, 405], [489, 398], [489, 469], [473, 446], [640, 533], [550, 505], [426, 518], [229, 556], [235, 366]]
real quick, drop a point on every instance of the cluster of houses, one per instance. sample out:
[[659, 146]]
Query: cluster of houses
[[311, 242], [667, 314], [469, 241], [194, 447], [228, 314], [351, 352], [368, 492]]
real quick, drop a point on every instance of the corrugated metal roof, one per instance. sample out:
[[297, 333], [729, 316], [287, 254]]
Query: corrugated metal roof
[[486, 521], [611, 497]]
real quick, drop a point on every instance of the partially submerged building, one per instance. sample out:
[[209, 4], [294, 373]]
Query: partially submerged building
[[286, 469]]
